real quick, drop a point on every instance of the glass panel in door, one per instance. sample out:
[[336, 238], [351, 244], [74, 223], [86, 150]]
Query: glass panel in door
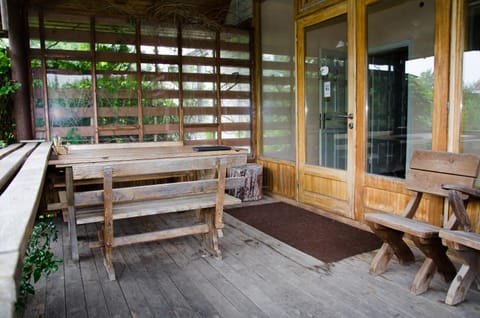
[[326, 94], [400, 83]]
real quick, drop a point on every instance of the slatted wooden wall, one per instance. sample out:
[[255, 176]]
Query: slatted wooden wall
[[99, 80]]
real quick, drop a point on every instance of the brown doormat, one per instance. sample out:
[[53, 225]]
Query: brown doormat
[[318, 236]]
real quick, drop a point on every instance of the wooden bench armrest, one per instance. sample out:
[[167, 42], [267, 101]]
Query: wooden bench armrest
[[457, 200], [466, 190]]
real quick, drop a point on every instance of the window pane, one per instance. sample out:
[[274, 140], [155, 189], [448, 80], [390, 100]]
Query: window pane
[[400, 83], [278, 95], [470, 138]]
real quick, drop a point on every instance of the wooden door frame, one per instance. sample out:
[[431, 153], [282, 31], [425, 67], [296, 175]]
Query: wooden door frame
[[440, 112], [355, 175], [346, 176]]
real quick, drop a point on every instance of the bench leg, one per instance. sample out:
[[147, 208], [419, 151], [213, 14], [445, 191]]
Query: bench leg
[[463, 280], [72, 219], [380, 261], [72, 230], [108, 221], [436, 260], [210, 239], [108, 263], [423, 277], [394, 240], [107, 255]]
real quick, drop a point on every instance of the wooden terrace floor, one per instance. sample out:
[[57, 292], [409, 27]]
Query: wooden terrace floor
[[258, 277]]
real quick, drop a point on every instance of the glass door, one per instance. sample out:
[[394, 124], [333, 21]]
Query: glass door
[[325, 114]]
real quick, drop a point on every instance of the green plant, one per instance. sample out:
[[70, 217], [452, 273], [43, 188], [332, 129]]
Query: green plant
[[7, 89], [39, 260]]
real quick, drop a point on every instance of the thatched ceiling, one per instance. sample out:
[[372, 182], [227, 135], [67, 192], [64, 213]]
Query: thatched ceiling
[[215, 12]]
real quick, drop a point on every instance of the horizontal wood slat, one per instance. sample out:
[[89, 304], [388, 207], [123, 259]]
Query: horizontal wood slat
[[135, 68], [139, 193], [431, 182], [125, 209], [446, 162], [89, 171], [154, 236]]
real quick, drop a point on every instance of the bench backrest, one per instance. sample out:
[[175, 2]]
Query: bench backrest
[[430, 169], [152, 167]]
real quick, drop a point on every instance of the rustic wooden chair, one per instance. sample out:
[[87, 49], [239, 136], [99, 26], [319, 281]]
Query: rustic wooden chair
[[428, 171], [465, 243]]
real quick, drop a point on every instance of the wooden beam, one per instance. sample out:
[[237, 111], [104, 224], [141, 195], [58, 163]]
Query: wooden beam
[[18, 38]]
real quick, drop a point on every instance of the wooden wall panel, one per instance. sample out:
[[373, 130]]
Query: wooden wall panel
[[328, 187], [279, 177], [474, 214]]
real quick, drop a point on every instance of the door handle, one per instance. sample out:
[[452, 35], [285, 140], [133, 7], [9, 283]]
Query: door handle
[[349, 116]]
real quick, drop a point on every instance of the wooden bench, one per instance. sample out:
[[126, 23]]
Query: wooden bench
[[112, 203], [56, 177], [428, 171], [465, 243], [23, 168]]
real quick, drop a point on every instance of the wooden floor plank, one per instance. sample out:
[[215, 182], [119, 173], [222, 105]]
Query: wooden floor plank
[[257, 277], [353, 271], [247, 283], [270, 263], [131, 282], [191, 263], [189, 266], [114, 297], [226, 298], [151, 256], [195, 296], [35, 306], [55, 284], [131, 290], [94, 296], [74, 292]]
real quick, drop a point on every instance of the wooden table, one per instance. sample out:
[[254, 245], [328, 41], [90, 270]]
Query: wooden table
[[138, 162]]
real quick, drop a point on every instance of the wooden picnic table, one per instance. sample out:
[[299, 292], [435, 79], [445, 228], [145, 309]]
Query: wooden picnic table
[[139, 162]]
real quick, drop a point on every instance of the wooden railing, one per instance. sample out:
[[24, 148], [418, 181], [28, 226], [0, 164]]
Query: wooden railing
[[22, 174]]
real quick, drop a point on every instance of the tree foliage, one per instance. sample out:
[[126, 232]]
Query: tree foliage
[[7, 89]]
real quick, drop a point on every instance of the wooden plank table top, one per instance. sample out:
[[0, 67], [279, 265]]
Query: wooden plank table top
[[94, 156]]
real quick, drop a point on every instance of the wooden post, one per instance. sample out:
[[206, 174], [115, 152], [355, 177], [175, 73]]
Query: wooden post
[[17, 36]]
